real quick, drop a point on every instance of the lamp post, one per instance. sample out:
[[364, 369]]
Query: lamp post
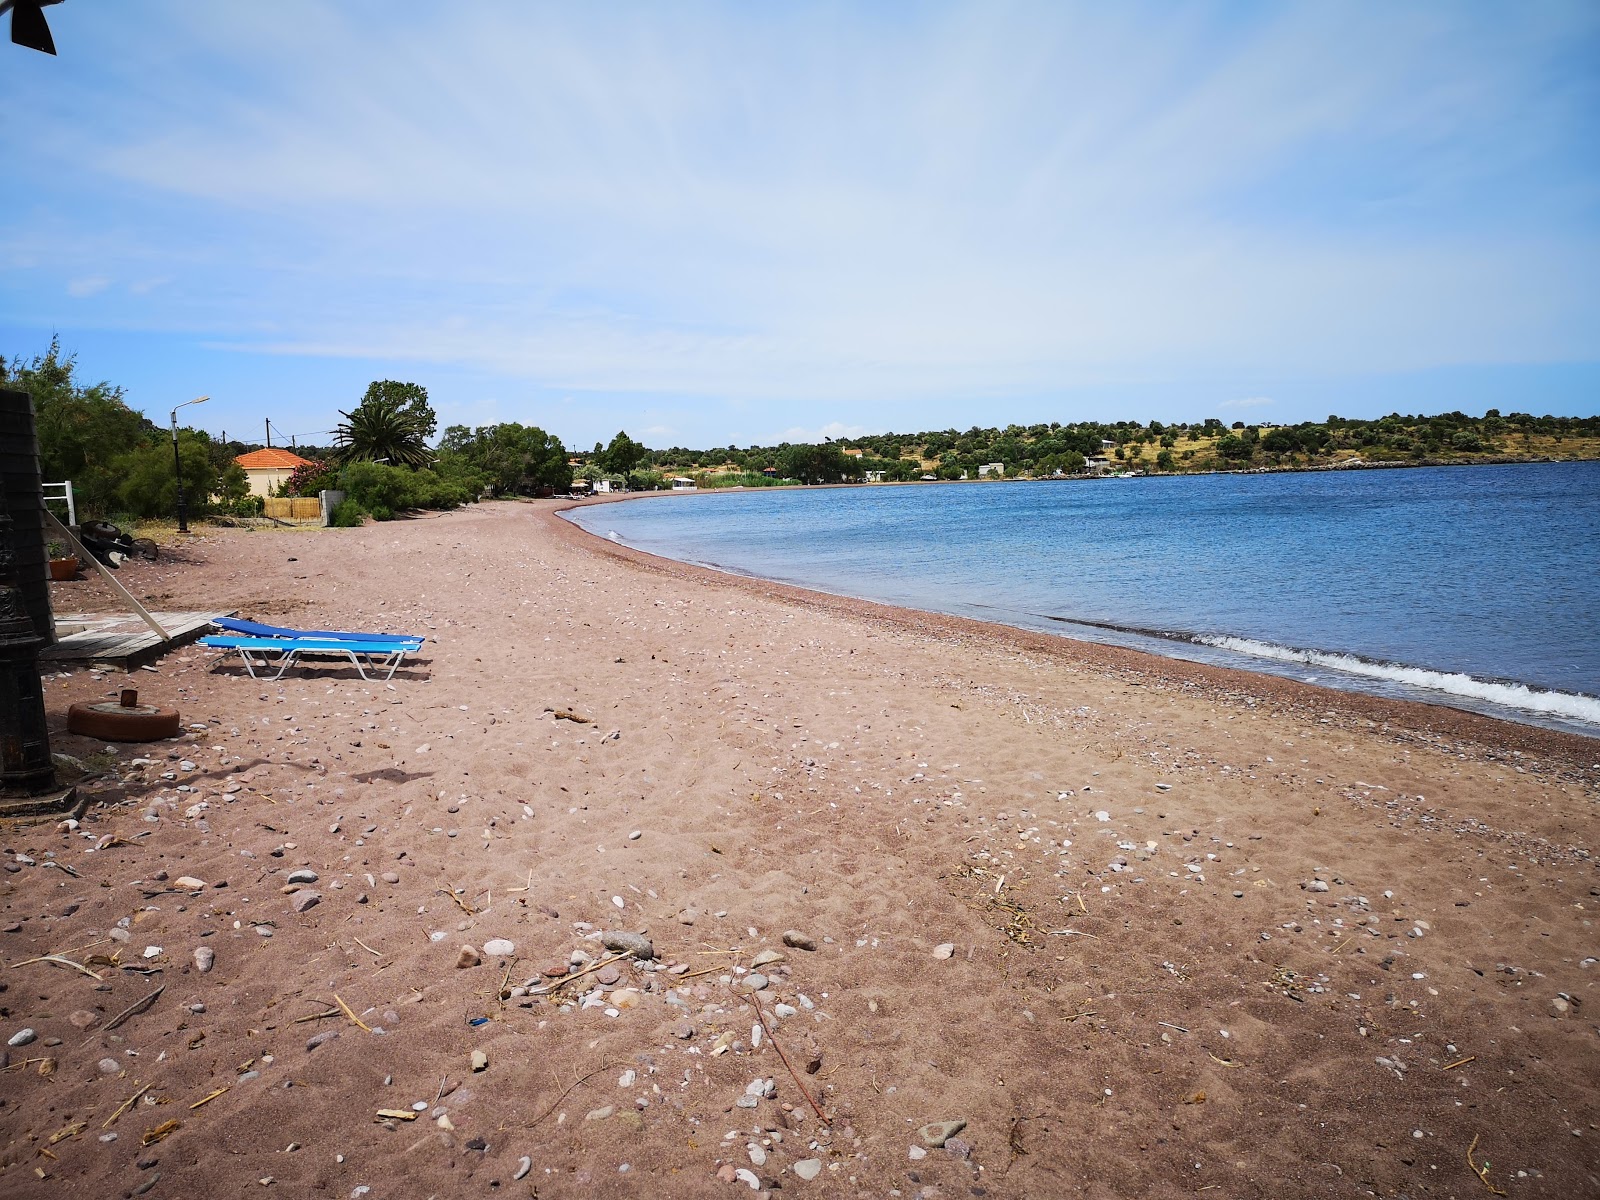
[[183, 511]]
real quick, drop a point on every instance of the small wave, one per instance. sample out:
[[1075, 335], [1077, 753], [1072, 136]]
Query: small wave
[[1511, 695]]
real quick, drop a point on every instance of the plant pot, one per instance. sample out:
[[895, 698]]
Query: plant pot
[[63, 568]]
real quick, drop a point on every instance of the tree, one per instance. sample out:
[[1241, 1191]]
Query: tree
[[623, 455], [393, 421], [149, 487], [512, 457], [83, 431]]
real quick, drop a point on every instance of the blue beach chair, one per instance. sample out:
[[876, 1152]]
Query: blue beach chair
[[378, 654], [257, 630]]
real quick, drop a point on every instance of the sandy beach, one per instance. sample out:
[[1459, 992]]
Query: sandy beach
[[935, 909]]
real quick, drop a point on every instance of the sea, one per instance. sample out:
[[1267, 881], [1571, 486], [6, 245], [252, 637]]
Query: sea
[[1476, 587]]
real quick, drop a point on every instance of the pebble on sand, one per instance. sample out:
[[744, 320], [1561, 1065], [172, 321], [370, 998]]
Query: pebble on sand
[[935, 1133], [798, 941], [204, 958], [944, 950], [468, 957], [634, 944], [499, 948], [808, 1168]]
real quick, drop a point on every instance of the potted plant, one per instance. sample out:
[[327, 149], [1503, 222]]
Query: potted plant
[[62, 564]]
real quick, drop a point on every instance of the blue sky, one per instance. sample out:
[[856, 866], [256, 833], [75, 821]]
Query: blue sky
[[715, 223]]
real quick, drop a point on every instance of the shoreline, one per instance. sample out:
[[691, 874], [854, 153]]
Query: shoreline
[[1578, 752]]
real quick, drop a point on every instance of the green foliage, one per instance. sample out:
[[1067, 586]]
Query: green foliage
[[149, 486], [825, 463], [310, 479], [511, 458], [623, 455], [346, 514], [384, 491], [83, 430], [393, 421]]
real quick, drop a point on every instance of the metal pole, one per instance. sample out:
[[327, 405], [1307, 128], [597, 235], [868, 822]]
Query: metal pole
[[177, 462]]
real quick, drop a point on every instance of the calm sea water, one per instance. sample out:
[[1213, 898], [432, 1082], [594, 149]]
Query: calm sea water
[[1477, 587]]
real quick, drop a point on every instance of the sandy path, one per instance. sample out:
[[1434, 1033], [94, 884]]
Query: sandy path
[[1204, 930]]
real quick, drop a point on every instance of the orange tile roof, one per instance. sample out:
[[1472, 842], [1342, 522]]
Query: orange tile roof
[[270, 457]]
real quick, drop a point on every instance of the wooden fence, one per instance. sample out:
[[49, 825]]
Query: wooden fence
[[294, 508]]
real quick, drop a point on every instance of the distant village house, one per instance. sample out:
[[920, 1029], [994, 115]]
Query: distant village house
[[266, 469]]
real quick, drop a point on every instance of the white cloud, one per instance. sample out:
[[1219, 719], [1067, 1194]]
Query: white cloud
[[80, 289], [832, 431], [813, 206], [1248, 402]]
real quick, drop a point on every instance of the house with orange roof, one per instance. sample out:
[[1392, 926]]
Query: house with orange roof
[[266, 469]]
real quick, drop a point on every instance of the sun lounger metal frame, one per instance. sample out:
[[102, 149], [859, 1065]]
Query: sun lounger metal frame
[[384, 656], [256, 629]]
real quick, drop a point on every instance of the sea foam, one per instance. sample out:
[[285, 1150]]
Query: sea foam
[[1571, 705]]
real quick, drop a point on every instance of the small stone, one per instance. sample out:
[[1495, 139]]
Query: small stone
[[390, 877], [625, 998], [636, 835], [84, 1019], [758, 1156], [109, 1066], [608, 975], [188, 882], [688, 916], [554, 970], [600, 1114], [916, 1154], [22, 1037], [1316, 885], [304, 901], [747, 1102], [936, 1133], [480, 1061], [944, 950], [627, 1078], [634, 944], [798, 941], [524, 1165], [327, 1035], [766, 958], [808, 1168], [469, 957], [302, 875], [746, 1176], [753, 982], [499, 948], [204, 958]]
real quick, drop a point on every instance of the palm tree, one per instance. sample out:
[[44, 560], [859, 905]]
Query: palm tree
[[379, 428]]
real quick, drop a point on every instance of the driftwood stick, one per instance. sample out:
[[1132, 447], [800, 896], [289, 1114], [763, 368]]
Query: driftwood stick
[[776, 1045], [133, 1010]]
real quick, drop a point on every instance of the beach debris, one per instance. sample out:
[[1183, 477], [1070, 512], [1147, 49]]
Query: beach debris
[[635, 945], [468, 957], [944, 950], [808, 1168], [524, 1165], [134, 1009], [480, 1061], [564, 714], [797, 940], [935, 1133]]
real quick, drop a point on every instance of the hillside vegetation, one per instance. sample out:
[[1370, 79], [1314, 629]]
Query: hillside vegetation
[[1049, 450]]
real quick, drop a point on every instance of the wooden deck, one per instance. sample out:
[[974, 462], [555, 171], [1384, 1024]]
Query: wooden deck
[[121, 640]]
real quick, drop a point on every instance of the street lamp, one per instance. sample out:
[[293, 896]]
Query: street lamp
[[183, 511]]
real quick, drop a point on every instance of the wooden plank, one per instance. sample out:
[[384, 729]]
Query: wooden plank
[[101, 567]]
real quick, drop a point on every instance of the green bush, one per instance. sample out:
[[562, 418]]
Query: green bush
[[347, 514], [383, 491]]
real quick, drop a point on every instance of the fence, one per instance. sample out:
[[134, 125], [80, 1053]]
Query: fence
[[294, 508]]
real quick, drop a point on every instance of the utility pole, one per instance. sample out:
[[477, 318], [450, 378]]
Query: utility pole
[[269, 433]]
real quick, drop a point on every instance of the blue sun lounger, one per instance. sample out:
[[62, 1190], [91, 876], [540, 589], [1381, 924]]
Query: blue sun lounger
[[258, 630], [380, 655]]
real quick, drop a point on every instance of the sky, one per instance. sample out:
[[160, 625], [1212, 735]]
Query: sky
[[713, 224]]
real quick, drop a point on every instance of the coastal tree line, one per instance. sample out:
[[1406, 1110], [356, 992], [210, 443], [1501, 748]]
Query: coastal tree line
[[387, 459]]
